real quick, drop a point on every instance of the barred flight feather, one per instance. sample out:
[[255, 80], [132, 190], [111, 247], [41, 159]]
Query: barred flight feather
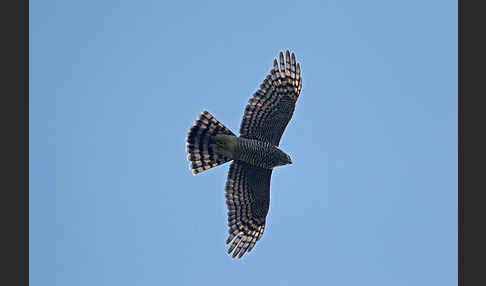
[[200, 145], [269, 111], [247, 199]]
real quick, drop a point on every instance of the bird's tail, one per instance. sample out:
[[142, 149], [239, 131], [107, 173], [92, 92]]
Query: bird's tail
[[201, 146]]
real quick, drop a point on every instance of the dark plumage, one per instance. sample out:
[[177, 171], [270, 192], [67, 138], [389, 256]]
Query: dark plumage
[[254, 153]]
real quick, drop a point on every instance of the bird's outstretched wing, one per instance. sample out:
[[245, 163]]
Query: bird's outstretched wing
[[248, 199], [269, 110]]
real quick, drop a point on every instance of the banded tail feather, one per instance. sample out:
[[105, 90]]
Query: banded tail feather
[[201, 144]]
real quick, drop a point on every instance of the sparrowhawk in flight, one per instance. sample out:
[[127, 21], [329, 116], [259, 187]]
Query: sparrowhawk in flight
[[254, 153]]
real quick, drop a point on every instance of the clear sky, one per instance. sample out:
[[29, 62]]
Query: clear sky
[[371, 196]]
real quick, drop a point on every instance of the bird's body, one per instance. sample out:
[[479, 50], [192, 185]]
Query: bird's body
[[255, 153]]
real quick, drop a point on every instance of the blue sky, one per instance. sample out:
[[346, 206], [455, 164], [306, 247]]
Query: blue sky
[[371, 198]]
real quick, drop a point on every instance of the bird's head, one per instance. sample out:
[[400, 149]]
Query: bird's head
[[283, 158], [288, 161]]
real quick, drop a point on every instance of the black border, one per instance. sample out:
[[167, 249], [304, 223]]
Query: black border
[[15, 145], [471, 135]]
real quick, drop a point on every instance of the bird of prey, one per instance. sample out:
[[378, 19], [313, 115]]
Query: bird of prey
[[254, 154]]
